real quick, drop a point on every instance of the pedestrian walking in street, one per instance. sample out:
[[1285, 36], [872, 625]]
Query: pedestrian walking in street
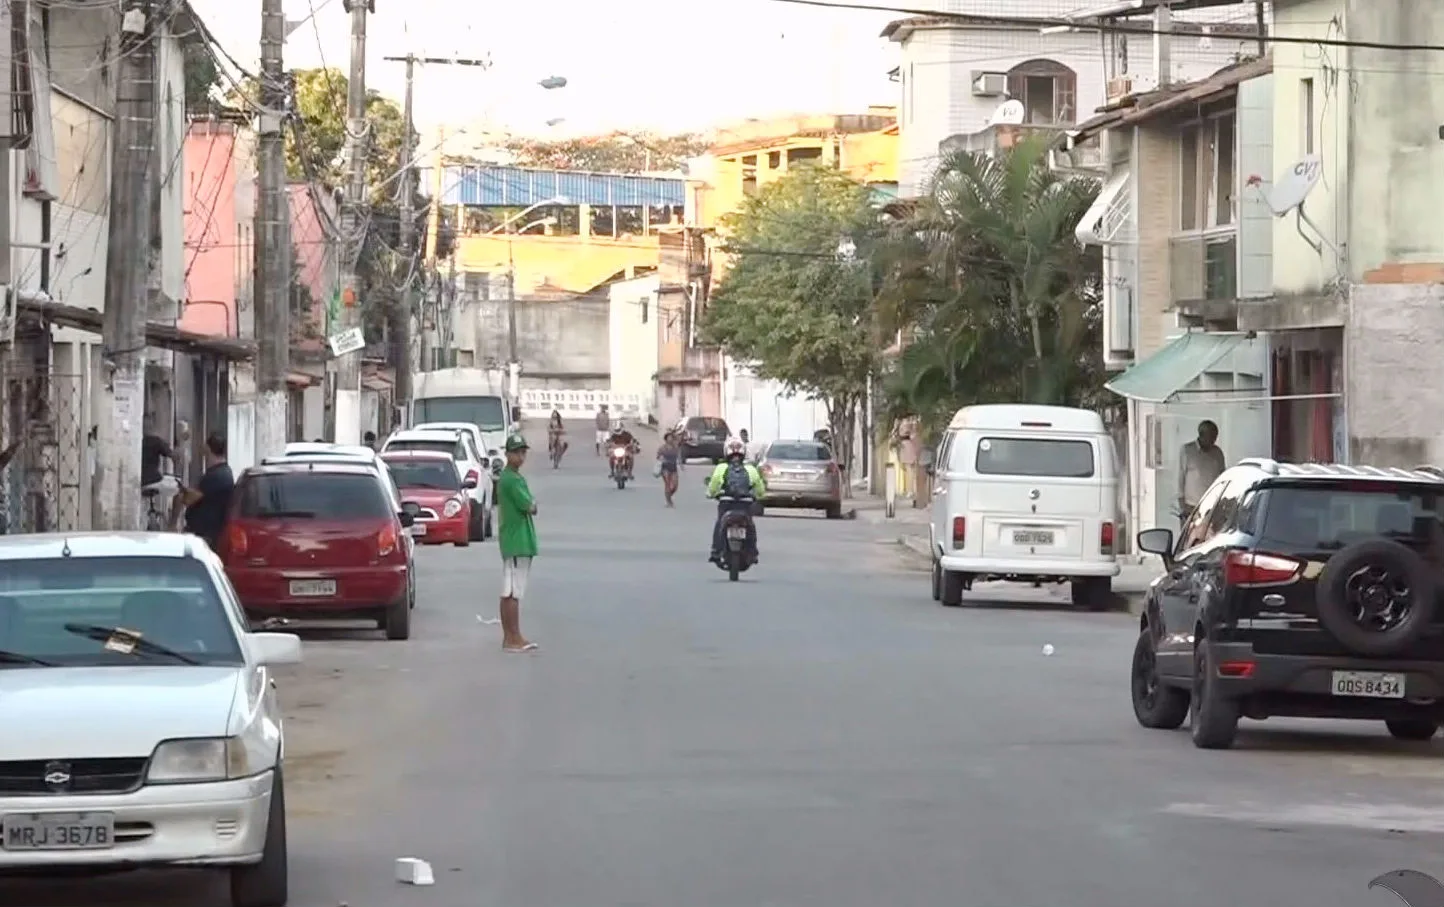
[[604, 427], [1199, 464], [207, 503], [669, 461], [516, 538]]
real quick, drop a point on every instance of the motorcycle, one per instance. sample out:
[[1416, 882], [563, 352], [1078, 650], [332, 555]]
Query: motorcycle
[[736, 526], [620, 466]]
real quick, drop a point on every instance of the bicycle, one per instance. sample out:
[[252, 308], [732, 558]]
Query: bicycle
[[166, 489]]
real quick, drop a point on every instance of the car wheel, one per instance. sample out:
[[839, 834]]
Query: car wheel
[[486, 527], [1094, 593], [1412, 728], [397, 620], [1212, 719], [937, 581], [411, 588], [1358, 580], [951, 593], [476, 525], [833, 511], [266, 884], [1154, 704]]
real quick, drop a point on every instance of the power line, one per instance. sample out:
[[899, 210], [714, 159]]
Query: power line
[[1107, 28]]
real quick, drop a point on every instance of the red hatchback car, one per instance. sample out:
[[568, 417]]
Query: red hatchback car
[[428, 479], [318, 540]]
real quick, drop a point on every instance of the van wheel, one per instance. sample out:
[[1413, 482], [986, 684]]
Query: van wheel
[[1093, 593], [486, 527], [266, 884], [951, 593], [937, 581], [476, 525]]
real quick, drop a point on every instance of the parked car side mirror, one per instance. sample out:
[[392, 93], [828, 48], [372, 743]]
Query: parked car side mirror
[[1156, 541]]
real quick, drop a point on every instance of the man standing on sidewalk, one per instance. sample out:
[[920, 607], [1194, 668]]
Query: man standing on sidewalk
[[516, 538]]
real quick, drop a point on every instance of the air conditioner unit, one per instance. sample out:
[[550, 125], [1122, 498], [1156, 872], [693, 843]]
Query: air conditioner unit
[[989, 84], [1120, 88]]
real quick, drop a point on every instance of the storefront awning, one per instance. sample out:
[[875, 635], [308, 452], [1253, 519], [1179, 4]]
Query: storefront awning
[[1160, 377]]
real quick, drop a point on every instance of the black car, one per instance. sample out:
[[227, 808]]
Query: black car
[[1303, 590], [704, 436]]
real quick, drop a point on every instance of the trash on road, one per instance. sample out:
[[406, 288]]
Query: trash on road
[[411, 871], [1048, 648]]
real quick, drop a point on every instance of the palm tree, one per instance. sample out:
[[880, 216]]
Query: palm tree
[[1000, 298]]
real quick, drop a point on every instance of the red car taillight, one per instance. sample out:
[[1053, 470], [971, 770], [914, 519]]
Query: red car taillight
[[1105, 539], [960, 531], [386, 541], [236, 542], [1248, 568]]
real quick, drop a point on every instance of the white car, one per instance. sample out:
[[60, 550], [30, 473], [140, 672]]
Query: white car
[[471, 465], [141, 723]]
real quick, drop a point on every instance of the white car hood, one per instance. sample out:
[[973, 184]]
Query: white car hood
[[77, 713], [492, 440]]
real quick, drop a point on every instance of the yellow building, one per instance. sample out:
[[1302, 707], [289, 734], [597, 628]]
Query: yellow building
[[745, 157]]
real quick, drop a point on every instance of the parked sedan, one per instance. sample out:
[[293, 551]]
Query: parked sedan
[[803, 475], [319, 540], [428, 480], [471, 466], [142, 729]]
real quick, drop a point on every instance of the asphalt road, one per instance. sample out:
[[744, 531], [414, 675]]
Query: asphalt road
[[818, 734]]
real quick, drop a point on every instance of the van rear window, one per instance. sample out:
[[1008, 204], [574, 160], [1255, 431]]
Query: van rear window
[[1035, 457]]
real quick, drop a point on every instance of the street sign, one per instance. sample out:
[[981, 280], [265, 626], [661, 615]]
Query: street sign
[[348, 341]]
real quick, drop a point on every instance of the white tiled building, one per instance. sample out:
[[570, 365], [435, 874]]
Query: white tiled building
[[954, 76]]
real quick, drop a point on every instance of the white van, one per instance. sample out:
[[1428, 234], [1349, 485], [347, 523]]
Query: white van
[[1026, 494]]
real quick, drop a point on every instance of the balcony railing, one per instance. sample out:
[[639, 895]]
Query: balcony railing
[[1203, 269]]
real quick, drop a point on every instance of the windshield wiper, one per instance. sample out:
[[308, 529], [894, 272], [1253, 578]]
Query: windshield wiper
[[16, 658], [140, 644]]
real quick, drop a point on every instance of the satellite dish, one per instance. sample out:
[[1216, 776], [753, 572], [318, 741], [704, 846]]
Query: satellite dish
[[1009, 113], [1294, 185]]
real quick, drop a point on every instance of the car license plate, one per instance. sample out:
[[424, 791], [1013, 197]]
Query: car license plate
[[1368, 683], [59, 831], [1032, 537], [736, 532], [313, 588], [418, 528]]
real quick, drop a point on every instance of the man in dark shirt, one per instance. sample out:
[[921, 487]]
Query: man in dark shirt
[[207, 503]]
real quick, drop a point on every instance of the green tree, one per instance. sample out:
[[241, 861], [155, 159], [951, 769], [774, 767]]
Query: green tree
[[1001, 302], [202, 79], [617, 152], [790, 303]]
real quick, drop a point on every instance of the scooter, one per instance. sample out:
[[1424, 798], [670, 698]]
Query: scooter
[[736, 525]]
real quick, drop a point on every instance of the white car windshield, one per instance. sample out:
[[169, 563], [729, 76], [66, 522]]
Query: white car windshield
[[115, 611]]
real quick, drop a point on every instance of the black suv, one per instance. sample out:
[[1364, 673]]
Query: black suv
[[1304, 590], [703, 436]]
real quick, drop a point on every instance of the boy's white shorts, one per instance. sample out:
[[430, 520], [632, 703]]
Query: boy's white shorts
[[514, 573]]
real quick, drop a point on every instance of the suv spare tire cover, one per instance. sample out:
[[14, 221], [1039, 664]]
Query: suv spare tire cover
[[1336, 611]]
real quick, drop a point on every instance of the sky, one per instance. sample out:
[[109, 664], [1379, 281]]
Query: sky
[[661, 65]]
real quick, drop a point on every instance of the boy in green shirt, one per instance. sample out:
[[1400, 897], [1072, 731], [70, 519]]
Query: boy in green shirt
[[516, 538]]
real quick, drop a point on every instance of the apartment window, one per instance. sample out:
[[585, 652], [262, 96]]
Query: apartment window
[[1306, 115], [1048, 90], [1206, 174]]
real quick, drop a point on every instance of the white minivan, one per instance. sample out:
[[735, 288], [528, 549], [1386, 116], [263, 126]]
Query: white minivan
[[1026, 494]]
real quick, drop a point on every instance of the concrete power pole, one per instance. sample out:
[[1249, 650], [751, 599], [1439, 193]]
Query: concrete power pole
[[273, 247], [117, 504], [347, 405], [401, 313]]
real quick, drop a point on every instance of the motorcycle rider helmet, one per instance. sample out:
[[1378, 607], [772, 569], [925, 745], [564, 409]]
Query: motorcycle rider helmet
[[735, 448]]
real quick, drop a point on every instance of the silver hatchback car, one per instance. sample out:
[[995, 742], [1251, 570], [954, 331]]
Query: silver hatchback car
[[802, 475]]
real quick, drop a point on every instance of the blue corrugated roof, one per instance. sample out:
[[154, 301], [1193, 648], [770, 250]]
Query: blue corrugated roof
[[521, 187]]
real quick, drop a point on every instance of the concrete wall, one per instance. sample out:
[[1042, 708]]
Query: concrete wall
[[632, 337], [1297, 268], [562, 339], [1391, 366]]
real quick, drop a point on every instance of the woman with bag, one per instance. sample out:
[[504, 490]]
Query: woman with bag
[[669, 460]]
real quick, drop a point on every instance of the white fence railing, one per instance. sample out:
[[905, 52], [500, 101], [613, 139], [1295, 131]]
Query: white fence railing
[[538, 403]]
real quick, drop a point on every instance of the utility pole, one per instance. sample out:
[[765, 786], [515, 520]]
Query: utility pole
[[401, 312], [122, 410], [273, 247], [347, 405]]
